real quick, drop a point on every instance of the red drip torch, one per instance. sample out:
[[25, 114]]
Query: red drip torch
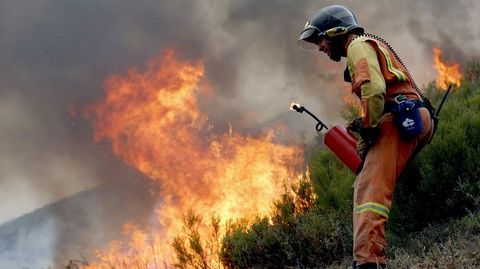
[[337, 139]]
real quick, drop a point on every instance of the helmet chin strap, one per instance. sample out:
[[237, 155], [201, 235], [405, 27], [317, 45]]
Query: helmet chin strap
[[336, 49], [335, 57]]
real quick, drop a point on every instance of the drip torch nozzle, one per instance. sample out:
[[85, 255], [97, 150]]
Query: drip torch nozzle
[[297, 107], [300, 109]]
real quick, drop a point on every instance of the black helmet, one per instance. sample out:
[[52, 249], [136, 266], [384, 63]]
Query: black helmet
[[328, 22]]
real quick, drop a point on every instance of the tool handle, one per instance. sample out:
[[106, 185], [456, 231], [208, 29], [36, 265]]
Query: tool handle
[[320, 125], [443, 99], [435, 117]]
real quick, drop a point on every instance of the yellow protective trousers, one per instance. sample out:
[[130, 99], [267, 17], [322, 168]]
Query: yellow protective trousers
[[375, 184]]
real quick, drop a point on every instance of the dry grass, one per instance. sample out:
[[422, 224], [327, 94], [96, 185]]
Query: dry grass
[[454, 245], [452, 254]]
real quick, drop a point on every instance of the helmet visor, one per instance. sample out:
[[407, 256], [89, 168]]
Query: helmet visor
[[308, 39]]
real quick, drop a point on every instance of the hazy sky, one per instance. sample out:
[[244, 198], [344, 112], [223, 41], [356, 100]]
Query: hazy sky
[[55, 54]]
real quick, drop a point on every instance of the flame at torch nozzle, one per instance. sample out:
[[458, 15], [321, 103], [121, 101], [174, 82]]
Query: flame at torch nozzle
[[300, 109], [296, 107]]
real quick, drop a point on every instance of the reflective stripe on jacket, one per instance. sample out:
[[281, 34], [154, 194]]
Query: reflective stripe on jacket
[[376, 76]]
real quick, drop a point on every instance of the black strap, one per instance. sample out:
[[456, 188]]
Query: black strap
[[428, 104], [389, 106], [346, 75]]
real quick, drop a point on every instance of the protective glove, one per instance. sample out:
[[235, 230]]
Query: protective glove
[[362, 148], [370, 134], [355, 125], [366, 136]]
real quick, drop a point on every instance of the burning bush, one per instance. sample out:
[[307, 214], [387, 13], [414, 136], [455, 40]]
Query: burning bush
[[152, 120], [299, 235]]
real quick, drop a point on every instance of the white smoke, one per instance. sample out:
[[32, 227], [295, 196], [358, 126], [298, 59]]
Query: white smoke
[[33, 248]]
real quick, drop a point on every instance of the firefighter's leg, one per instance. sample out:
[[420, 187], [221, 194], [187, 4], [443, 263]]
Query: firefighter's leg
[[375, 185]]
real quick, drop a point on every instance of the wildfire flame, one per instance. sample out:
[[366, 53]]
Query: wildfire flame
[[153, 123], [448, 73], [294, 106]]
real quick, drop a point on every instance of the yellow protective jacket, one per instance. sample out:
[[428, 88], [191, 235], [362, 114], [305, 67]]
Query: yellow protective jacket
[[377, 77]]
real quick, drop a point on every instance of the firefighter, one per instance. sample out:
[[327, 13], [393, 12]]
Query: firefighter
[[382, 82]]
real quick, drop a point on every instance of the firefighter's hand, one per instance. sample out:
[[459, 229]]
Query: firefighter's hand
[[355, 125], [370, 134], [362, 148]]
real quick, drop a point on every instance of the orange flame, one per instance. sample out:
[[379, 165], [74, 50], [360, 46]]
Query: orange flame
[[448, 73], [153, 123], [293, 104]]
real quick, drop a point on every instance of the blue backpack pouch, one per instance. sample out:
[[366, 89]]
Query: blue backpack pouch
[[407, 116]]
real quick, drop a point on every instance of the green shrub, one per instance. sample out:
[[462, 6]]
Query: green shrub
[[331, 181], [444, 181]]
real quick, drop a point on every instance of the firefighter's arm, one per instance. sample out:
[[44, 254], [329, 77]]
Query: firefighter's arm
[[365, 73]]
